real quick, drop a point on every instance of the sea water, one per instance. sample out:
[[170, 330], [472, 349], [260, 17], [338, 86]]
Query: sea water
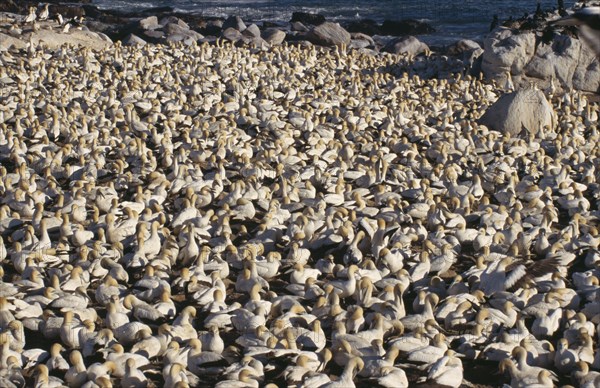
[[452, 19]]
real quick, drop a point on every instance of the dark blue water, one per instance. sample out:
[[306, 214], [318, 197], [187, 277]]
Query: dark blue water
[[452, 19]]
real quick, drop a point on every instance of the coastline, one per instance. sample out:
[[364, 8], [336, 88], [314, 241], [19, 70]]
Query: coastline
[[118, 18]]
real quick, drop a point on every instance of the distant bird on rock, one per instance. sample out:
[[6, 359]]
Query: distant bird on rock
[[44, 13], [31, 16]]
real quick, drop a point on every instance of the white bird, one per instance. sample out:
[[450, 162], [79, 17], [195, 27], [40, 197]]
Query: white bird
[[31, 16], [44, 12]]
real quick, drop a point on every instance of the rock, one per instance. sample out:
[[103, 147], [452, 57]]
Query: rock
[[358, 44], [172, 28], [174, 20], [111, 29], [53, 39], [176, 33], [569, 61], [212, 27], [506, 52], [299, 27], [365, 26], [308, 18], [149, 23], [90, 11], [273, 36], [329, 34], [406, 45], [360, 41], [187, 39], [469, 52], [564, 60], [208, 39], [252, 31], [587, 73], [177, 36], [231, 34], [558, 59], [525, 109], [134, 40], [464, 46], [235, 22], [301, 43], [361, 36], [256, 42], [405, 27], [154, 34], [68, 11]]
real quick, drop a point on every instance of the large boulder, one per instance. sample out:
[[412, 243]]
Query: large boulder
[[565, 60], [173, 20], [255, 42], [212, 27], [569, 61], [464, 46], [506, 51], [176, 33], [523, 110], [329, 34], [469, 52], [308, 19], [172, 28], [234, 22], [365, 26], [587, 73], [252, 31], [299, 27], [231, 34], [406, 45], [405, 27], [134, 40], [360, 40], [54, 39], [273, 36], [154, 36]]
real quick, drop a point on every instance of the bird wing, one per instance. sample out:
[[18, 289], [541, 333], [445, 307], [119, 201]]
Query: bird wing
[[523, 273], [515, 273]]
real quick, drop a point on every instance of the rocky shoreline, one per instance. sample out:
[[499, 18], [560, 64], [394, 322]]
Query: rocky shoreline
[[521, 51]]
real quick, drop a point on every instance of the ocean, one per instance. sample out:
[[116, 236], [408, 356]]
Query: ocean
[[452, 19]]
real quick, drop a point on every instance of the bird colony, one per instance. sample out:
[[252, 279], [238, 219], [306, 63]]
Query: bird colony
[[209, 214]]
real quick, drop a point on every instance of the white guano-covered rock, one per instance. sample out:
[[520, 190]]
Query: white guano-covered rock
[[523, 110], [566, 61], [53, 39], [149, 23], [505, 52]]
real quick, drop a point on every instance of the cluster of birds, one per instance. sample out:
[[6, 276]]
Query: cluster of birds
[[43, 15], [210, 214]]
